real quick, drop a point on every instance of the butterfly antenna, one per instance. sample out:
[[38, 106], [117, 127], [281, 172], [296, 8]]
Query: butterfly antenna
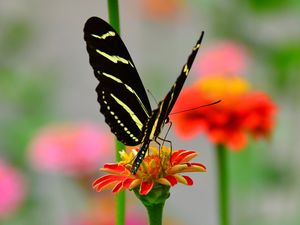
[[152, 96], [186, 110]]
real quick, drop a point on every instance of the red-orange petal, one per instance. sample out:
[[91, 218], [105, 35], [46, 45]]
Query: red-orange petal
[[198, 164], [177, 168], [176, 153], [107, 183], [182, 156], [115, 168], [127, 183], [106, 186], [171, 179], [146, 187], [107, 178], [135, 183], [119, 186], [189, 180], [183, 179], [194, 167]]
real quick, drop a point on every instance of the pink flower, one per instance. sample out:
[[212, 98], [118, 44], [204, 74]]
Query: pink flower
[[226, 58], [70, 148], [101, 210], [12, 190], [104, 219]]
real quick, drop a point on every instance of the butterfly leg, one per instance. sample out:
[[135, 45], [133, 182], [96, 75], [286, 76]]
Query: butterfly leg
[[159, 145], [166, 140]]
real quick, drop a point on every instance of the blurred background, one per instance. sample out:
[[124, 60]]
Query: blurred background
[[53, 138]]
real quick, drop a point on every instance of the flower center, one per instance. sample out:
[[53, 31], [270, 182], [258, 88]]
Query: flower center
[[220, 86], [155, 163]]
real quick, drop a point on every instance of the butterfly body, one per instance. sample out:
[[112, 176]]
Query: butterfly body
[[121, 94]]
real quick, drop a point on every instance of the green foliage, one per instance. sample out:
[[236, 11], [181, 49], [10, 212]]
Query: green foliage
[[286, 63], [14, 37], [268, 5]]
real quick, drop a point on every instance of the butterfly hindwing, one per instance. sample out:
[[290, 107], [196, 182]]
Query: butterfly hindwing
[[121, 94]]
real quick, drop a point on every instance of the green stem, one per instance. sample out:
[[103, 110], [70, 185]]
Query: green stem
[[114, 20], [223, 184], [113, 14], [154, 202], [120, 196], [155, 213]]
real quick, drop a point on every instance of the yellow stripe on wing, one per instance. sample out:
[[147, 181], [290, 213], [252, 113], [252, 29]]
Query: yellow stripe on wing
[[127, 87], [103, 36], [114, 58], [131, 113]]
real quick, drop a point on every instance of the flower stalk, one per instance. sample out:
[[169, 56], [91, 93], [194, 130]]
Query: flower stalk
[[114, 20], [113, 14], [120, 196], [154, 202], [223, 184]]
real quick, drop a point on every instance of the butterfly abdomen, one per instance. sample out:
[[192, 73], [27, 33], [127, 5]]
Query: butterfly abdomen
[[139, 157]]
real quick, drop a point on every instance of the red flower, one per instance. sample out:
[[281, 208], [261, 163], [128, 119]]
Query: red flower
[[158, 167], [241, 112]]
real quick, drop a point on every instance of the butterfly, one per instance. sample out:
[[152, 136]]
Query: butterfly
[[121, 94]]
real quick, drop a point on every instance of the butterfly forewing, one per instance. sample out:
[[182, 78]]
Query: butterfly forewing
[[121, 94], [117, 107], [170, 99], [160, 115]]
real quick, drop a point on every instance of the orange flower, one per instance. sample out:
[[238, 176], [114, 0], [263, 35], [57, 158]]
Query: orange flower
[[241, 111], [161, 167], [161, 9]]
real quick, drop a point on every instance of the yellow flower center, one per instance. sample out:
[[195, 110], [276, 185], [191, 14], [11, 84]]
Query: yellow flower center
[[221, 86], [154, 164]]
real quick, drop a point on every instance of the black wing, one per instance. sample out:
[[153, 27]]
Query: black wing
[[158, 117], [121, 94], [166, 105]]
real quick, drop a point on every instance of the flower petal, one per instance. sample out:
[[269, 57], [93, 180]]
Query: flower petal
[[177, 168], [108, 183], [115, 168], [195, 167], [164, 181], [118, 187], [128, 182], [183, 179], [106, 178], [146, 187], [183, 156], [135, 183], [168, 180]]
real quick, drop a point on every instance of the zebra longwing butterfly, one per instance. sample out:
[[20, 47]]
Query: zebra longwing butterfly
[[121, 94]]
